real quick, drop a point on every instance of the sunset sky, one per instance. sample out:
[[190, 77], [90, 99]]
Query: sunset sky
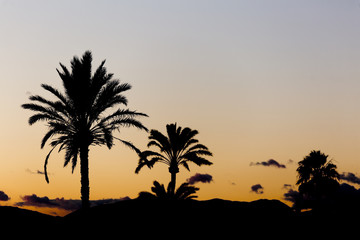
[[259, 80]]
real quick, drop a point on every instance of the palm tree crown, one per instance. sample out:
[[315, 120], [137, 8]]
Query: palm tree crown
[[80, 117], [317, 177], [179, 147]]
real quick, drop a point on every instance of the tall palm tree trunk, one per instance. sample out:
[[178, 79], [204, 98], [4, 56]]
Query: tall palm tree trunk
[[173, 183], [173, 171], [84, 171]]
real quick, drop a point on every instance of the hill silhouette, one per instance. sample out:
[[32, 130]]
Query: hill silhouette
[[12, 218], [201, 218], [129, 212], [145, 218], [158, 209]]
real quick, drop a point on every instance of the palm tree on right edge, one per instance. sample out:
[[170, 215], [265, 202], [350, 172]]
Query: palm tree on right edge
[[179, 147], [318, 178]]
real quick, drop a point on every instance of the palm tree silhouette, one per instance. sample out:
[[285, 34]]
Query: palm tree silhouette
[[184, 192], [317, 177], [179, 147], [80, 117]]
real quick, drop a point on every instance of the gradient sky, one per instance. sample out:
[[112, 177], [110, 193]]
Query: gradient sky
[[260, 80]]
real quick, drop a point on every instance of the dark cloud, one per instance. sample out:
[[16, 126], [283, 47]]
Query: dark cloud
[[34, 200], [67, 204], [290, 161], [350, 177], [292, 195], [257, 188], [99, 202], [287, 186], [299, 201], [198, 177], [4, 196], [34, 172], [269, 163], [61, 203]]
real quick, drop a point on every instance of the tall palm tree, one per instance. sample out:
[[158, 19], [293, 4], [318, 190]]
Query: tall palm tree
[[80, 118], [179, 147], [184, 192], [317, 177]]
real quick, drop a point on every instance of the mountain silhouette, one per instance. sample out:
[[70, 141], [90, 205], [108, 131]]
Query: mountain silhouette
[[13, 218], [148, 218], [201, 217], [155, 209]]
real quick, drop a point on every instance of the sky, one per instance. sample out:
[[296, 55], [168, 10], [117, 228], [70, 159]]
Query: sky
[[261, 81]]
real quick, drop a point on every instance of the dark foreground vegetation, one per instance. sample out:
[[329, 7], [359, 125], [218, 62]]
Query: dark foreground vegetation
[[156, 217]]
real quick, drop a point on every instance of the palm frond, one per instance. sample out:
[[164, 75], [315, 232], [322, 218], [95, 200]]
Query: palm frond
[[127, 122], [121, 114], [40, 117], [130, 145], [162, 140], [109, 96], [47, 136], [186, 191], [47, 112], [159, 190], [56, 106], [56, 93], [185, 165], [101, 135], [193, 157], [46, 163], [154, 158]]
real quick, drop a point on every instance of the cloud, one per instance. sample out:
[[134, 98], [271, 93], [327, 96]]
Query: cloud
[[34, 172], [350, 177], [198, 177], [292, 195], [257, 188], [61, 203], [99, 202], [4, 196], [269, 163], [299, 201], [287, 186], [34, 200]]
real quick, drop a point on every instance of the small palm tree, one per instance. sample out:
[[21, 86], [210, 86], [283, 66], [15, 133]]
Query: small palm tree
[[317, 177], [80, 118], [178, 148], [184, 192]]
